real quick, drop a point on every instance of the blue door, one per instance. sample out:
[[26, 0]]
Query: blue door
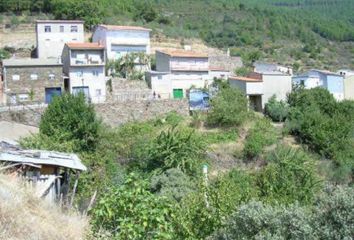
[[50, 93]]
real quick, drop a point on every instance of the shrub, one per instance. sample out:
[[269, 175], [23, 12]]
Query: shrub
[[228, 108], [174, 148], [290, 176], [132, 212], [255, 220], [276, 110], [70, 119], [173, 184], [261, 135]]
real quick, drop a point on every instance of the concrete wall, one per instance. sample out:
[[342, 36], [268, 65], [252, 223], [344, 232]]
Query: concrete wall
[[349, 88], [113, 114], [162, 62], [239, 84], [188, 64], [121, 37], [51, 44], [25, 85], [279, 85], [335, 85], [309, 82]]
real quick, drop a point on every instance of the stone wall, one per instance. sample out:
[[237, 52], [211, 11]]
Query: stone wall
[[113, 114], [36, 88]]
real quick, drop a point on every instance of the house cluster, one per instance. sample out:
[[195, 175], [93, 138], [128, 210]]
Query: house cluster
[[66, 62]]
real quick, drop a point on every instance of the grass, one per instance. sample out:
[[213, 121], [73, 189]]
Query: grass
[[24, 216]]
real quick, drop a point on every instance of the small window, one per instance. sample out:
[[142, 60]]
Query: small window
[[74, 39], [79, 73], [302, 82], [23, 97], [95, 73], [61, 28], [98, 92], [15, 77], [73, 29], [47, 28], [159, 77], [34, 76], [51, 77]]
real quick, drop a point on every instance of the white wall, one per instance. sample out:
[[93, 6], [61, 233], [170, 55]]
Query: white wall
[[162, 85], [89, 80], [51, 44], [280, 85], [309, 82], [189, 64], [255, 88], [219, 74], [121, 37]]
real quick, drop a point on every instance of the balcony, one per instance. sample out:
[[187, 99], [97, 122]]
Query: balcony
[[86, 61]]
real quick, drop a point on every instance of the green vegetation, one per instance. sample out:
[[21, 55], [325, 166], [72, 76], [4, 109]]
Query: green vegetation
[[150, 185], [276, 110], [262, 134]]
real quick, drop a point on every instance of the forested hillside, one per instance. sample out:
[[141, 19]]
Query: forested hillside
[[304, 33]]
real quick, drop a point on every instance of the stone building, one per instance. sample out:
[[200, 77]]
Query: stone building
[[31, 80], [51, 35]]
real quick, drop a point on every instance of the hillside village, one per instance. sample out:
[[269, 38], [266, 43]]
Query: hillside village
[[131, 139]]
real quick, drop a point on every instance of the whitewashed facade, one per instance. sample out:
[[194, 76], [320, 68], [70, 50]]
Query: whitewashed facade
[[177, 71], [120, 40], [51, 36], [84, 69]]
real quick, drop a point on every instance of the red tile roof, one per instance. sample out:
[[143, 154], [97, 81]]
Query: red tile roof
[[76, 45], [183, 53], [244, 79], [117, 27]]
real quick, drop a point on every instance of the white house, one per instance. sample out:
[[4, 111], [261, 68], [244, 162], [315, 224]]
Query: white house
[[333, 82], [51, 35], [84, 70], [177, 71], [252, 87], [348, 83], [120, 40]]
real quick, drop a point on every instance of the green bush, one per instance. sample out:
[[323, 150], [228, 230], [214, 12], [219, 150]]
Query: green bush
[[175, 148], [276, 110], [132, 212], [223, 135], [228, 108], [173, 184], [70, 119], [289, 177], [262, 134]]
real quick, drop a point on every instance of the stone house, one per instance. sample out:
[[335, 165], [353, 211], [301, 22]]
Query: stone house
[[31, 80], [51, 35], [84, 70], [120, 40], [333, 82], [177, 71]]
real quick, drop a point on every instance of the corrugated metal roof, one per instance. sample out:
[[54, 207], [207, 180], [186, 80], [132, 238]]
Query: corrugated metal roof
[[87, 45], [183, 53], [119, 27], [31, 62], [42, 157]]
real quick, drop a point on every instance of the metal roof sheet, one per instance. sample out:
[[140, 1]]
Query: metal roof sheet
[[43, 157]]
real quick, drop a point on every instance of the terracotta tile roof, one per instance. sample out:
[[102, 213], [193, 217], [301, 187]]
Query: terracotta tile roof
[[117, 27], [244, 79], [59, 21], [87, 45], [183, 53]]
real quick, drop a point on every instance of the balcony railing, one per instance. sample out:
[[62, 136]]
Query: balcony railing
[[86, 61]]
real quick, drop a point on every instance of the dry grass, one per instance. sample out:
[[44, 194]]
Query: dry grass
[[23, 216]]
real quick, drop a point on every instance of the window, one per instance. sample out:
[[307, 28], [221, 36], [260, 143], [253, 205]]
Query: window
[[34, 76], [95, 73], [74, 39], [61, 28], [47, 28], [159, 77], [23, 97], [79, 73], [98, 92], [51, 77], [73, 29], [302, 82], [15, 77]]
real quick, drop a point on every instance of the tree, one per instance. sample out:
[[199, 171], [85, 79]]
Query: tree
[[228, 108], [132, 212], [70, 119], [276, 110]]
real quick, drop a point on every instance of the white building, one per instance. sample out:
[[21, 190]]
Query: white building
[[84, 70], [51, 35], [120, 40], [177, 71]]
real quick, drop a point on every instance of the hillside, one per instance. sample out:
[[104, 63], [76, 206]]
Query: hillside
[[302, 33]]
